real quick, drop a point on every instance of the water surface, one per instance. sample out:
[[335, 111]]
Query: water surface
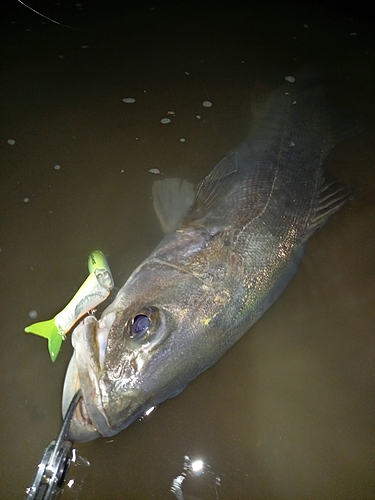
[[288, 412]]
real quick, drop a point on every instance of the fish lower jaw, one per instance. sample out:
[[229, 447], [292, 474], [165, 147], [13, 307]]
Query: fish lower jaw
[[82, 427]]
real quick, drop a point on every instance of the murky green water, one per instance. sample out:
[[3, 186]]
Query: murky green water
[[288, 412]]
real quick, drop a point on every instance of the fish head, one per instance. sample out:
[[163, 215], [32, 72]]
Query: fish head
[[146, 347]]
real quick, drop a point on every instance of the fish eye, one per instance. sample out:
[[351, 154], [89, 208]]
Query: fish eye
[[140, 324], [143, 325]]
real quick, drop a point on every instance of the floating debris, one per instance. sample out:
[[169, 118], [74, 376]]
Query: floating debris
[[129, 100], [11, 142], [198, 117], [26, 200], [182, 139], [85, 46], [57, 167], [165, 120], [290, 79], [187, 73], [154, 171], [207, 104]]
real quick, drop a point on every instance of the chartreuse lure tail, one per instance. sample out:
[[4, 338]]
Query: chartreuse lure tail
[[92, 292], [50, 331]]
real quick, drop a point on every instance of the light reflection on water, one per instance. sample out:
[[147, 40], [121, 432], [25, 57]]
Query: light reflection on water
[[185, 487], [76, 477], [288, 411]]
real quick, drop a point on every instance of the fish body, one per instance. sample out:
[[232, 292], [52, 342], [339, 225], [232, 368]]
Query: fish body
[[212, 277]]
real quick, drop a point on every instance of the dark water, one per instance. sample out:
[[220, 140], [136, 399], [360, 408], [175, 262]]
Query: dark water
[[288, 412]]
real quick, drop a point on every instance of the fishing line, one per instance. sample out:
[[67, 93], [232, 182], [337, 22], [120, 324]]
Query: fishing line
[[42, 15]]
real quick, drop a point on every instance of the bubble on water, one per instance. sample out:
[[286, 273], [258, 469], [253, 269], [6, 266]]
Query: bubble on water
[[154, 171], [57, 167], [11, 142], [26, 200], [182, 139], [33, 314], [128, 100], [290, 79], [165, 120], [207, 104], [198, 117]]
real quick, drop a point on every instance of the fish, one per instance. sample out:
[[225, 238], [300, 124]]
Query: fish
[[222, 263], [94, 290]]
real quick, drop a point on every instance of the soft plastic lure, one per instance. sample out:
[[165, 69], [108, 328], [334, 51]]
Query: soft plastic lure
[[93, 291]]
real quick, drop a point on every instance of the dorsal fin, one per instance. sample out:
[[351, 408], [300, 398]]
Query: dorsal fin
[[214, 187], [172, 199]]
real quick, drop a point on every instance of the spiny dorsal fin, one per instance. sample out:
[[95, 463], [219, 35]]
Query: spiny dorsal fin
[[172, 199], [214, 187], [333, 195]]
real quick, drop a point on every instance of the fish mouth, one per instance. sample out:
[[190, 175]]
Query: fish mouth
[[89, 340]]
